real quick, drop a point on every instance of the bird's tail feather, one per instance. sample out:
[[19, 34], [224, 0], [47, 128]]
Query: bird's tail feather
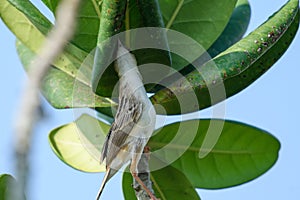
[[109, 173]]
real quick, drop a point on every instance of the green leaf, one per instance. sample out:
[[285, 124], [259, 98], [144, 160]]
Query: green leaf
[[26, 31], [149, 13], [85, 36], [168, 183], [62, 90], [79, 144], [21, 26], [51, 4], [236, 68], [5, 181], [241, 152], [42, 24], [234, 30], [33, 14], [8, 186], [201, 20], [112, 22]]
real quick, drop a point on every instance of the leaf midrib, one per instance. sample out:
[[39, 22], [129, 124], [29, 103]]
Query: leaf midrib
[[193, 149], [175, 13], [156, 185]]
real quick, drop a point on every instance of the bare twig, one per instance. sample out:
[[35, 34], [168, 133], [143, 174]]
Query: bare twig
[[53, 46]]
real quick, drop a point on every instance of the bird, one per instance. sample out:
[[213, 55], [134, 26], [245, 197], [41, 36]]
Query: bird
[[134, 122]]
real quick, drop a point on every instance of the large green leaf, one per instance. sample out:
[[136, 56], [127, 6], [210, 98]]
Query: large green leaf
[[168, 183], [112, 23], [85, 36], [242, 152], [23, 28], [8, 186], [44, 26], [201, 20], [234, 30], [31, 36], [62, 90], [237, 67], [147, 13], [88, 19], [79, 144]]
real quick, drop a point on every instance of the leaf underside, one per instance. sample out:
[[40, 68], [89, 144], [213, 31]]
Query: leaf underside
[[79, 144]]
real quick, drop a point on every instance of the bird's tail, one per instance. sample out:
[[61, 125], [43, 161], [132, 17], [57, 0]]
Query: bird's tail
[[109, 173]]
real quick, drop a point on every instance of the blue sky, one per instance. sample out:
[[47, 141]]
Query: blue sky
[[271, 103]]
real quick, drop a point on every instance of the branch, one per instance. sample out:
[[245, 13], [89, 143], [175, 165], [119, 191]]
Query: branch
[[53, 46], [144, 175]]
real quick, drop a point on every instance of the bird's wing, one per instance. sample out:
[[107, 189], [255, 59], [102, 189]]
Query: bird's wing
[[128, 113]]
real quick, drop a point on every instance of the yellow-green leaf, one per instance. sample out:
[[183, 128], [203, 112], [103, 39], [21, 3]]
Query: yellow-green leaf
[[79, 144]]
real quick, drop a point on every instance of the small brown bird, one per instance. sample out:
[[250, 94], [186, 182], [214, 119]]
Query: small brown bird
[[134, 121]]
